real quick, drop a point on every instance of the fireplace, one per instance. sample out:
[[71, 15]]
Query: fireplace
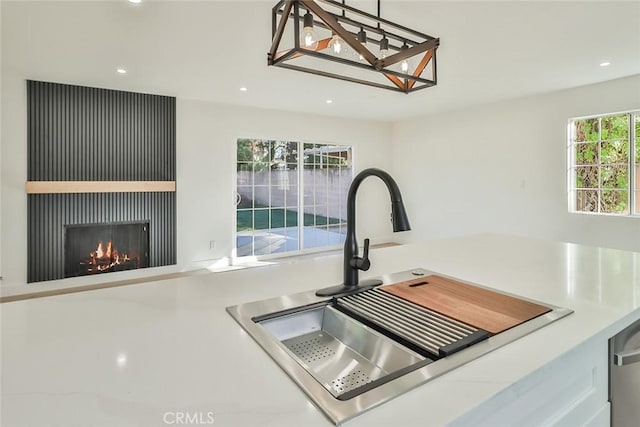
[[98, 156], [105, 248]]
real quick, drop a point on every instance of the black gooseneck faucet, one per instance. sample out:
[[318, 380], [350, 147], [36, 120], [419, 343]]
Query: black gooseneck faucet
[[352, 262]]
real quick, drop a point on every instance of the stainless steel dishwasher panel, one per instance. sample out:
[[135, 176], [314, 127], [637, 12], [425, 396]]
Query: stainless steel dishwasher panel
[[625, 377]]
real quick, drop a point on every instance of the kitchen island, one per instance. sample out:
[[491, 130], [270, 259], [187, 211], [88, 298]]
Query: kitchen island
[[167, 352]]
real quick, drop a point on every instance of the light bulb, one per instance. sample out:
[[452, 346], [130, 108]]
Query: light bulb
[[308, 36], [384, 47], [404, 65], [362, 38], [337, 45], [309, 39]]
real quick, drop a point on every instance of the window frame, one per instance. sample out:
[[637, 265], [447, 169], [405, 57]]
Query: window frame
[[633, 188], [300, 206]]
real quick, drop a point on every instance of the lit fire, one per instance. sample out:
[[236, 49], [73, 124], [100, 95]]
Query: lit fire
[[103, 259]]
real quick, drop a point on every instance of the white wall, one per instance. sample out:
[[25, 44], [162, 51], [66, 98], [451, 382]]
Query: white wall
[[207, 134], [1, 148], [206, 140], [502, 168]]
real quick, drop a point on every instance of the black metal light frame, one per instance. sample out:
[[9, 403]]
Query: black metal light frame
[[417, 44]]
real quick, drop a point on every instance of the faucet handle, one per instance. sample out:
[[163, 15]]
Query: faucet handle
[[362, 263], [365, 256]]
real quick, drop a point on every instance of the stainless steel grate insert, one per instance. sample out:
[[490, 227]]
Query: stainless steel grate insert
[[425, 328]]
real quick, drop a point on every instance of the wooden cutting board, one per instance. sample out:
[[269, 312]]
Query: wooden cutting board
[[478, 307]]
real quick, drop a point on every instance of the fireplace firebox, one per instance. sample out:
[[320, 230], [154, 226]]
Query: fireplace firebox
[[104, 248]]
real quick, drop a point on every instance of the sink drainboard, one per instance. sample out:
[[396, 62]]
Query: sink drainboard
[[439, 335]]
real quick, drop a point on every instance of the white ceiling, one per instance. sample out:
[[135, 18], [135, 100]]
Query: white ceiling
[[489, 51]]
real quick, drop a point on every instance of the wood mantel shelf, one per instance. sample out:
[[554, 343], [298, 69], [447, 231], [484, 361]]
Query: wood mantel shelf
[[61, 187]]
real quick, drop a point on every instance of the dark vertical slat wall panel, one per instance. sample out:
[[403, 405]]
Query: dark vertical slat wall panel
[[79, 133], [88, 134], [51, 212]]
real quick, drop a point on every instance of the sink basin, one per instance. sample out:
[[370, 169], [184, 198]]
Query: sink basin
[[345, 356], [352, 353]]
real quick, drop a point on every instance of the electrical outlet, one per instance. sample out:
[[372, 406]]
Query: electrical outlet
[[212, 244]]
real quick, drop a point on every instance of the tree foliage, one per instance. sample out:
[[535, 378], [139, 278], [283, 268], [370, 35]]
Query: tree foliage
[[602, 163], [263, 154]]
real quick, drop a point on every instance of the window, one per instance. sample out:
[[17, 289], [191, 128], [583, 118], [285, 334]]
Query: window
[[604, 164], [290, 196]]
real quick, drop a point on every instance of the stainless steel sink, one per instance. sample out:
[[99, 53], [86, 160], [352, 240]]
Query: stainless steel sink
[[352, 353], [345, 356]]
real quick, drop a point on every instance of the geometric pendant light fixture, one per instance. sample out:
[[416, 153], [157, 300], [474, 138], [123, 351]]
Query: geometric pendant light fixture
[[331, 39]]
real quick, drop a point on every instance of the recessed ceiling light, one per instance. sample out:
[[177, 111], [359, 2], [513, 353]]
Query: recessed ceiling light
[[135, 1], [329, 101], [121, 360], [605, 64], [121, 71], [243, 89]]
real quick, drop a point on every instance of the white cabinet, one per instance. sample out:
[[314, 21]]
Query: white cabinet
[[570, 391]]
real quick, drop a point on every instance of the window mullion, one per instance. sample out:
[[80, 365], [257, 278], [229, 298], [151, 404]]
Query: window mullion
[[327, 199], [253, 206], [301, 205], [632, 165], [315, 192], [599, 165]]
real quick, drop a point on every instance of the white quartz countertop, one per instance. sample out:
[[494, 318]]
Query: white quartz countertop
[[141, 355]]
